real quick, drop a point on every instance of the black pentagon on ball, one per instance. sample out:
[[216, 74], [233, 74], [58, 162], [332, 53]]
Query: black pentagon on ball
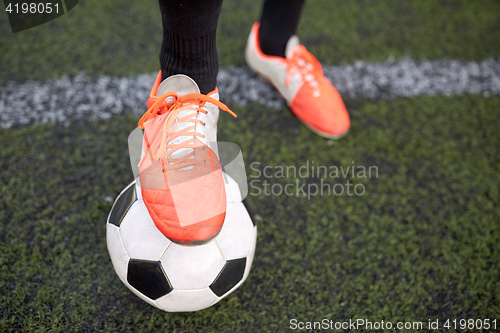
[[252, 215], [122, 205], [148, 277], [231, 274]]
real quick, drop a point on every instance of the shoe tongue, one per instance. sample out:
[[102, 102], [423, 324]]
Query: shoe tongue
[[180, 83], [291, 45]]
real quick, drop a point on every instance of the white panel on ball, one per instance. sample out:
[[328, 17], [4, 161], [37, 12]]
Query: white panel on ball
[[119, 257], [236, 236], [141, 238], [233, 193], [192, 267], [187, 300]]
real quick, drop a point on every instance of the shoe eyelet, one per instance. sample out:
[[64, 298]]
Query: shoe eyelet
[[204, 162]]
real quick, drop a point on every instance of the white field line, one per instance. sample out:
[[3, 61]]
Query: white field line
[[83, 97]]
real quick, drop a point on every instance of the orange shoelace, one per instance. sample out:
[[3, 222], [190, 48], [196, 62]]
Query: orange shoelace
[[160, 148], [303, 62]]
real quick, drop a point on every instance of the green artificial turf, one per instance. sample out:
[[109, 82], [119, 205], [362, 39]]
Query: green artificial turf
[[421, 243], [123, 38]]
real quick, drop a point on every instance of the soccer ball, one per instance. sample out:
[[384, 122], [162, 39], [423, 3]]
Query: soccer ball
[[175, 277]]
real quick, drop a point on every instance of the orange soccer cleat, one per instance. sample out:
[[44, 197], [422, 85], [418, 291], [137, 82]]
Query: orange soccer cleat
[[180, 173], [300, 80]]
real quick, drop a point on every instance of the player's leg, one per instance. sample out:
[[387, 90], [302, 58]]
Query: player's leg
[[180, 173], [273, 50], [279, 22], [188, 47]]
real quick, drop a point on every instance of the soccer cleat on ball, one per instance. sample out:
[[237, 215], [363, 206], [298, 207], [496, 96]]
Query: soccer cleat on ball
[[173, 277], [299, 79], [180, 175]]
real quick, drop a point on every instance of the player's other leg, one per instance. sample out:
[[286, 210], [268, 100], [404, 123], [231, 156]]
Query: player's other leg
[[188, 47], [180, 174], [273, 50]]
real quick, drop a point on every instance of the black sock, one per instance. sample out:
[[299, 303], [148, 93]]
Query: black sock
[[279, 22], [189, 47]]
